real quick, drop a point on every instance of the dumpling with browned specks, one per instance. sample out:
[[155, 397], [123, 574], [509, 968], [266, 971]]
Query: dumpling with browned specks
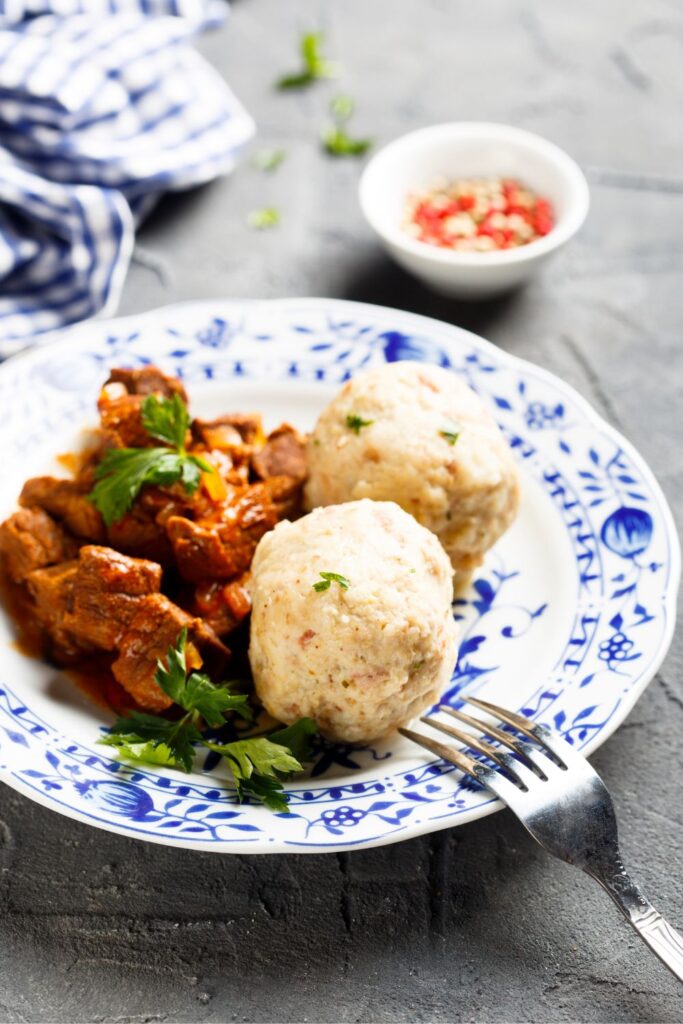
[[416, 434], [352, 622]]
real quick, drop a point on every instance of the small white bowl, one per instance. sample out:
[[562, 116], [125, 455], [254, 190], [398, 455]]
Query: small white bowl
[[469, 149]]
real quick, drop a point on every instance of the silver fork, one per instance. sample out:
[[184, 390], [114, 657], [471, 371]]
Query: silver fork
[[561, 801]]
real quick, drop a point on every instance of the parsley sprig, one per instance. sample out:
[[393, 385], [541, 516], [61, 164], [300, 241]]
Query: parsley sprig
[[328, 578], [123, 472], [314, 65], [258, 764]]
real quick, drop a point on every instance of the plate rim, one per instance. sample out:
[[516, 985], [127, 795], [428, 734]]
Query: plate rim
[[51, 341]]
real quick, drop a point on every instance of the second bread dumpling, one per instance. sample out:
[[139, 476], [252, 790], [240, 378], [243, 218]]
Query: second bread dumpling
[[352, 622], [416, 434]]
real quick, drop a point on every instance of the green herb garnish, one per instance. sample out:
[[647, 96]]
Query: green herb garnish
[[451, 434], [268, 160], [123, 472], [268, 217], [328, 578], [296, 737], [258, 764], [355, 422], [314, 65], [335, 139], [140, 736]]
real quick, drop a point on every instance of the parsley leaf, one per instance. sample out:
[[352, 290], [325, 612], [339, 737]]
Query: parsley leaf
[[123, 472], [451, 433], [134, 748], [355, 422], [213, 702], [196, 692], [268, 159], [269, 791], [171, 676], [268, 217], [296, 737], [314, 65], [166, 419], [328, 578], [257, 765], [139, 735]]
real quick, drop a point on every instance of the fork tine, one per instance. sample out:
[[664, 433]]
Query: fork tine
[[502, 759], [466, 764], [505, 738], [518, 722], [490, 778]]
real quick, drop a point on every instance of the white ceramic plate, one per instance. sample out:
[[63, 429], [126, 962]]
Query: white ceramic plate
[[567, 621]]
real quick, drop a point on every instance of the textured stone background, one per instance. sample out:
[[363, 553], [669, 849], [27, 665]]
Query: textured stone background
[[476, 923]]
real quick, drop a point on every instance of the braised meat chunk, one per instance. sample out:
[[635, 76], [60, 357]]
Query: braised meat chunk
[[154, 628], [229, 431], [107, 589], [139, 534], [284, 454], [51, 590], [222, 548], [30, 540], [148, 380], [121, 418], [65, 500]]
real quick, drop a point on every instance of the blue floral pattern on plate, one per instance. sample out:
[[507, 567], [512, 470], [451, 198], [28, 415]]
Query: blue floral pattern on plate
[[572, 648]]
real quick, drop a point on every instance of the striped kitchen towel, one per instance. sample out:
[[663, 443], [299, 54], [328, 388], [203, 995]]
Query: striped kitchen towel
[[103, 107]]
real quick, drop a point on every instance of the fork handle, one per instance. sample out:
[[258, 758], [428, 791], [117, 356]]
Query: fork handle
[[653, 929]]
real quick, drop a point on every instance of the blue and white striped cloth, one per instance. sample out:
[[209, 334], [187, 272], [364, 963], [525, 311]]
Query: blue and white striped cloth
[[103, 107]]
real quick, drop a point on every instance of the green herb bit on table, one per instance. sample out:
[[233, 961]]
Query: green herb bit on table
[[123, 472], [268, 217], [258, 764], [314, 65], [268, 160], [328, 578], [335, 139], [355, 422]]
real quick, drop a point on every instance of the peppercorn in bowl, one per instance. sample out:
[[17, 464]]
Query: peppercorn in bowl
[[473, 209]]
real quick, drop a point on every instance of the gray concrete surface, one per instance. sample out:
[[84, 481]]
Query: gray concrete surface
[[475, 923]]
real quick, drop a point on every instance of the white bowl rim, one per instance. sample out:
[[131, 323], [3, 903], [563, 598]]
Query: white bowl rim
[[566, 167]]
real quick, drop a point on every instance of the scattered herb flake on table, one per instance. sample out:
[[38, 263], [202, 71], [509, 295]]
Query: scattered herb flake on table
[[268, 160], [314, 65], [268, 217], [335, 139]]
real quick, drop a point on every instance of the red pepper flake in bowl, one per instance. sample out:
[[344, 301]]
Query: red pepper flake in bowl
[[478, 215]]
